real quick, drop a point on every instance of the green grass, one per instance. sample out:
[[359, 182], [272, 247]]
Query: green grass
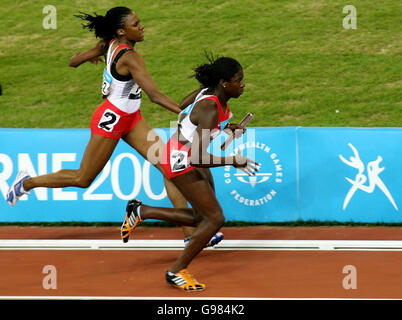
[[300, 64]]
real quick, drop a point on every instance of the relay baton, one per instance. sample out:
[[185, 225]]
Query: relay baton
[[243, 123]]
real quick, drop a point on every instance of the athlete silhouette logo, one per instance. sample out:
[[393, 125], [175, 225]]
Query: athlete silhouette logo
[[373, 172]]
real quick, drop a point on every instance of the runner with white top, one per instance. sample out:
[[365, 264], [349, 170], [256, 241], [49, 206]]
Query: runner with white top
[[186, 163], [119, 116]]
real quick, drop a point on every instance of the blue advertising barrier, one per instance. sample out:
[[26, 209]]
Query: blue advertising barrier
[[350, 174], [324, 174], [270, 195]]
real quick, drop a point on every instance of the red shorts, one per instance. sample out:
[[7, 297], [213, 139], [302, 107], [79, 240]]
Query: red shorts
[[109, 121], [176, 159]]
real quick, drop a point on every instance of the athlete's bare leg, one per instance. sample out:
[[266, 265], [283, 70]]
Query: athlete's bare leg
[[178, 201], [96, 155], [178, 216], [147, 143], [188, 231], [198, 191]]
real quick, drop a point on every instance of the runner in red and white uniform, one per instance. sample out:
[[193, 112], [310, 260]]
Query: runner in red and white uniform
[[176, 156], [186, 161], [119, 115], [120, 112]]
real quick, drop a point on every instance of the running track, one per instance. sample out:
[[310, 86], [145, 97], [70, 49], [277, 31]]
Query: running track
[[228, 273]]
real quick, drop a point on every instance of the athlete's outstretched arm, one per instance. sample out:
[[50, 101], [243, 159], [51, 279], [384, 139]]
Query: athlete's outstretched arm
[[89, 55], [135, 64]]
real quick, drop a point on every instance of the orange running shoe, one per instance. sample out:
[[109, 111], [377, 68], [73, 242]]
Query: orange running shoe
[[184, 281], [132, 220]]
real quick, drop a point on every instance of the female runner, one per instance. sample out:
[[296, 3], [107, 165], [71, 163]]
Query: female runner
[[125, 77], [186, 163]]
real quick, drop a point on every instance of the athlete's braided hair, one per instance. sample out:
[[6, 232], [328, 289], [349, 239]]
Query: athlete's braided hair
[[223, 68], [105, 27]]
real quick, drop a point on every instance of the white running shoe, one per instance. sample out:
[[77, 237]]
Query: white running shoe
[[216, 238], [17, 190]]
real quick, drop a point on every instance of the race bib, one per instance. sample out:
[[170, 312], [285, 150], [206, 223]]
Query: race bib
[[178, 160], [107, 80], [109, 120], [135, 92]]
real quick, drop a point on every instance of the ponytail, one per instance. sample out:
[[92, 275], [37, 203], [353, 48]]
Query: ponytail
[[205, 74], [96, 23], [210, 74], [105, 27]]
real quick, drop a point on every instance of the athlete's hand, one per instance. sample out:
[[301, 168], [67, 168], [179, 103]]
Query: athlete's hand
[[245, 164], [237, 130]]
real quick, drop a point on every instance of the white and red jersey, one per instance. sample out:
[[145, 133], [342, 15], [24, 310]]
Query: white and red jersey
[[122, 91], [175, 155], [187, 128]]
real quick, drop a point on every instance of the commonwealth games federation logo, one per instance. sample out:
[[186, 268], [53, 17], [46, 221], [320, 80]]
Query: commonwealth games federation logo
[[263, 187]]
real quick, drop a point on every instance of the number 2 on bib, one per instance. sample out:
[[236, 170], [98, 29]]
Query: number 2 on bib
[[107, 80], [109, 120], [178, 160]]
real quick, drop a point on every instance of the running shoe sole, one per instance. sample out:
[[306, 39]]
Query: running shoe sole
[[184, 281], [131, 220]]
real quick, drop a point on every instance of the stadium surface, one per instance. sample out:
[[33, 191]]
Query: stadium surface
[[229, 271]]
